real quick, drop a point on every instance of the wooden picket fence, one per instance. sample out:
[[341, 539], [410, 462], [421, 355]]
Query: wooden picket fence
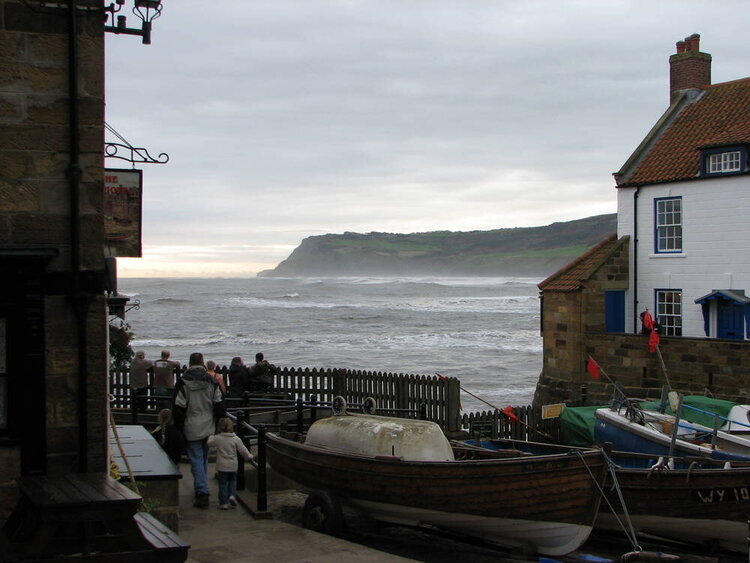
[[497, 425], [395, 394]]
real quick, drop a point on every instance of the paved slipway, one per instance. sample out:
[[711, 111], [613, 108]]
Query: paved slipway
[[233, 536]]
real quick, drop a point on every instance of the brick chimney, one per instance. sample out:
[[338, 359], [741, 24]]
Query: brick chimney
[[688, 68]]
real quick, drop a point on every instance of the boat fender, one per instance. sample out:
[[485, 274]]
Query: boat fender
[[648, 556]]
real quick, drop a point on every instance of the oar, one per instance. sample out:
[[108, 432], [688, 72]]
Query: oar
[[511, 417]]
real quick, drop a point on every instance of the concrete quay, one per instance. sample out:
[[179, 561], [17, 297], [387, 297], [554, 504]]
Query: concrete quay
[[234, 536]]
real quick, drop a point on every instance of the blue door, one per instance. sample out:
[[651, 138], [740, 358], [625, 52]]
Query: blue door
[[731, 320], [614, 311]]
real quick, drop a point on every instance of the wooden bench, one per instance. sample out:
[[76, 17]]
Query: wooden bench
[[170, 546], [90, 516]]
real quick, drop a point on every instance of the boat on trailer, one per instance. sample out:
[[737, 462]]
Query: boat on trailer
[[406, 472]]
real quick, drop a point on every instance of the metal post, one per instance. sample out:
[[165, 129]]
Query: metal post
[[241, 434], [714, 434], [262, 497], [313, 408], [676, 427], [133, 407], [246, 397], [300, 416]]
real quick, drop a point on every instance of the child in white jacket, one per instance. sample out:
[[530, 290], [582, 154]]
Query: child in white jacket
[[227, 445]]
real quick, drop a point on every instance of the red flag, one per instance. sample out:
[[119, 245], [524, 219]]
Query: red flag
[[592, 367], [648, 321], [508, 411], [653, 341]]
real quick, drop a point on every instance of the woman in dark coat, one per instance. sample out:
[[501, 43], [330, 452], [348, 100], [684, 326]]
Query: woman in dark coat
[[239, 378]]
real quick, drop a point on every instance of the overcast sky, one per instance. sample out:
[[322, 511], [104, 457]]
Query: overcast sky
[[285, 119]]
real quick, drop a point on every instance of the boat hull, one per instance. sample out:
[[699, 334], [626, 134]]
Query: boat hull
[[547, 502], [698, 505]]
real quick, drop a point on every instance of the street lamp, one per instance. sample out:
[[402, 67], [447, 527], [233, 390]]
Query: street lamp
[[146, 10]]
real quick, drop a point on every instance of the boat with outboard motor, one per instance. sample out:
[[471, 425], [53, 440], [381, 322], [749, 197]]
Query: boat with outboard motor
[[405, 471]]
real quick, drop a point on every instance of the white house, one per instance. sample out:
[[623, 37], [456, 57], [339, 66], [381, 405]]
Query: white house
[[684, 200]]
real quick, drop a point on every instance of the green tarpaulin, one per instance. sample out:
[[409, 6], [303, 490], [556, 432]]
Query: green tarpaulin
[[577, 426], [711, 406], [577, 423]]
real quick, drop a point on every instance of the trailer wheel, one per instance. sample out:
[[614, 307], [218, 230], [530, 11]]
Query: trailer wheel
[[322, 513]]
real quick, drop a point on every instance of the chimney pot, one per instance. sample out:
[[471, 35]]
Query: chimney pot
[[692, 43], [689, 68]]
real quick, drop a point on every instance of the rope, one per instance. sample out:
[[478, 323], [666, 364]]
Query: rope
[[616, 485], [122, 450], [527, 426]]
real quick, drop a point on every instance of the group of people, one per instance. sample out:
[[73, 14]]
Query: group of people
[[257, 378], [197, 420]]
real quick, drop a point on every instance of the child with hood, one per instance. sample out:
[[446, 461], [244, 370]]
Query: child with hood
[[227, 445]]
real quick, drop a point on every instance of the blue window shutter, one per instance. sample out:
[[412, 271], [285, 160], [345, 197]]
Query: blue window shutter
[[614, 311]]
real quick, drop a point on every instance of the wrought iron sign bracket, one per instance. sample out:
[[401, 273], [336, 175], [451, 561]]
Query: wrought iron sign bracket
[[135, 155]]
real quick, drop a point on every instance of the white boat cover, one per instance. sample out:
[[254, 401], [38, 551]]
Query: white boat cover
[[413, 440]]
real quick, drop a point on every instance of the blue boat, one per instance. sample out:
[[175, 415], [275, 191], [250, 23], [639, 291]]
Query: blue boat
[[631, 429]]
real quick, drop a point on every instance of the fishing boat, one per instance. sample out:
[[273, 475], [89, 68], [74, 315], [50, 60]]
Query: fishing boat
[[406, 472], [691, 500], [698, 501], [630, 428]]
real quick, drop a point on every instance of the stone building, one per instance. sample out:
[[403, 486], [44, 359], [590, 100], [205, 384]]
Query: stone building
[[683, 255], [53, 321]]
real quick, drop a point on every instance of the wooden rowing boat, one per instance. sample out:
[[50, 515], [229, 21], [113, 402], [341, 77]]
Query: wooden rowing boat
[[690, 499], [546, 502]]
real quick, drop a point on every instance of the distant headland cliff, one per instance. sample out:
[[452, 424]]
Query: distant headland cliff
[[528, 251]]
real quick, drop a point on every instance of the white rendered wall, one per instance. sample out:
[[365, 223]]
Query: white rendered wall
[[715, 243]]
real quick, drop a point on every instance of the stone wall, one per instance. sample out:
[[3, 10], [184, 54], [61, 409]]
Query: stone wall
[[35, 215], [693, 365], [568, 318]]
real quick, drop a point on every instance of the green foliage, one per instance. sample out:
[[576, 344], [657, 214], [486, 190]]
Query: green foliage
[[120, 351]]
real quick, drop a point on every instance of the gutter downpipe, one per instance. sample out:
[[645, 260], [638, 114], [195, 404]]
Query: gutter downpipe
[[635, 259], [78, 301]]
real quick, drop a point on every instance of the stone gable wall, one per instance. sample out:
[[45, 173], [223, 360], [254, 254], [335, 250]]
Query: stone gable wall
[[35, 212], [573, 325]]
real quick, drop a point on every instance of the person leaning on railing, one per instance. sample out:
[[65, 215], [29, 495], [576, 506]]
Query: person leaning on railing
[[139, 379], [164, 378]]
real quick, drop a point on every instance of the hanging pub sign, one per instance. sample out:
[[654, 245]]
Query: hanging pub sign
[[123, 191]]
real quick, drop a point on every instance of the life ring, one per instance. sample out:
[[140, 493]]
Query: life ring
[[338, 405], [369, 405], [322, 513]]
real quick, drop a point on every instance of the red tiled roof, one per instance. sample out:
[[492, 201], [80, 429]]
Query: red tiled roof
[[721, 116], [572, 276]]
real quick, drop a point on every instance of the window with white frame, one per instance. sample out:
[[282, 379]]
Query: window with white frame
[[724, 162], [669, 311], [668, 219]]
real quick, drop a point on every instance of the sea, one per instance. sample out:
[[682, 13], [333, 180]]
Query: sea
[[483, 331]]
